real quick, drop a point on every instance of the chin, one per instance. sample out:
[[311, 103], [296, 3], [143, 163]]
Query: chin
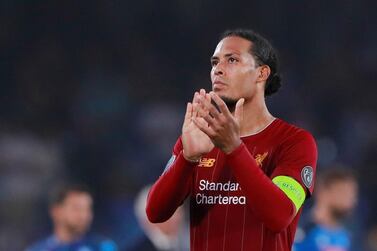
[[79, 230], [230, 102], [219, 90]]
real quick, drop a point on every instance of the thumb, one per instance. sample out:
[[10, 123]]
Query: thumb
[[188, 115], [238, 112]]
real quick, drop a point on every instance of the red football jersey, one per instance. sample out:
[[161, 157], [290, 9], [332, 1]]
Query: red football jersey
[[233, 203]]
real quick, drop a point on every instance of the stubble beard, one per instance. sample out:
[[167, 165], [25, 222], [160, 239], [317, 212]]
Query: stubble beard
[[340, 215], [230, 103], [77, 230]]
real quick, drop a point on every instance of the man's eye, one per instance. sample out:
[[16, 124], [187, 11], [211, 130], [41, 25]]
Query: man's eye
[[213, 63], [232, 60]]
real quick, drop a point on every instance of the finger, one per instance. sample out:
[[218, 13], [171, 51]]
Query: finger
[[220, 104], [202, 121], [195, 107], [208, 97], [202, 92], [195, 103], [203, 112], [238, 112], [201, 107], [188, 114], [206, 103], [195, 98], [209, 120], [202, 125]]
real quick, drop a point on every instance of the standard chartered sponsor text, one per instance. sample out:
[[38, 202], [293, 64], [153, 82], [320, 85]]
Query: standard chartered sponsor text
[[205, 185]]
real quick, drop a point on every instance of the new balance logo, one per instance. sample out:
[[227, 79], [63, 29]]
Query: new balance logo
[[206, 162]]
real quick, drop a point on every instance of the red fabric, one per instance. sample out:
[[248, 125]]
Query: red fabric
[[234, 204], [256, 185], [171, 189]]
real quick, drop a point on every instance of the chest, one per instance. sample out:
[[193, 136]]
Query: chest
[[213, 167]]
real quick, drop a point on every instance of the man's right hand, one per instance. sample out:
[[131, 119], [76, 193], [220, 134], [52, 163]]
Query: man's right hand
[[195, 142]]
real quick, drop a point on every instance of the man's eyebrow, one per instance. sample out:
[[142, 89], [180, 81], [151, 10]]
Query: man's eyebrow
[[226, 55], [231, 54]]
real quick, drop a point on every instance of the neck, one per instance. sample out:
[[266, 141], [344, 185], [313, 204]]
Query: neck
[[255, 116], [65, 236]]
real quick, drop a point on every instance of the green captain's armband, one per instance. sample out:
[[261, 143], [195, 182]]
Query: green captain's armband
[[292, 189]]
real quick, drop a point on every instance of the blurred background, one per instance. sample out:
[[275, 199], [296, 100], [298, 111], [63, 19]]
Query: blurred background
[[96, 91]]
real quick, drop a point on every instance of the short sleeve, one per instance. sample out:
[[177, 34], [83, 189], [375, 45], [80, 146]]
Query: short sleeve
[[297, 158]]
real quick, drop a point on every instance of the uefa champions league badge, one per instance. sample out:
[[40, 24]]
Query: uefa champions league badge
[[307, 176], [170, 162]]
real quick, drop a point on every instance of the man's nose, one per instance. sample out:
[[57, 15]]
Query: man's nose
[[219, 69]]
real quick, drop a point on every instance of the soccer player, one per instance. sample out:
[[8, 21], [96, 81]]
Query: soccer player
[[171, 235], [71, 213], [334, 200], [245, 172]]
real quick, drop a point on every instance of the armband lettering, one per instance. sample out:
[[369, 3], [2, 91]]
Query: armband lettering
[[292, 189]]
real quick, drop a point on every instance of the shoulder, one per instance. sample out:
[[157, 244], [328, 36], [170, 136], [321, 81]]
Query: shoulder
[[41, 245], [101, 242], [306, 235], [329, 237], [291, 135], [310, 227], [296, 155], [293, 131], [143, 244]]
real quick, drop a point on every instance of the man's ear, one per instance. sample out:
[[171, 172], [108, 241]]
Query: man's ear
[[264, 73]]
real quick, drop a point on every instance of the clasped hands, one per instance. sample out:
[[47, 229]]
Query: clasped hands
[[206, 126]]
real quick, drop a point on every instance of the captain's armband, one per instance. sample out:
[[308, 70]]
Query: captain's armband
[[292, 189]]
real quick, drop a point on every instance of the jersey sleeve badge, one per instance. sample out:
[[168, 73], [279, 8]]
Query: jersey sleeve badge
[[307, 176]]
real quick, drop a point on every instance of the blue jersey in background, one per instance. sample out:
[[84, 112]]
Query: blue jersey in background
[[320, 238], [87, 243]]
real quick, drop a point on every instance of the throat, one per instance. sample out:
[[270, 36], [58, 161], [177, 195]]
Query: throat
[[256, 117], [257, 127]]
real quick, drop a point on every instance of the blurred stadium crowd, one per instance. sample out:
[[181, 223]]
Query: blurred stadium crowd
[[96, 91]]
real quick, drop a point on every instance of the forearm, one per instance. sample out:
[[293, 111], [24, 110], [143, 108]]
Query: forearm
[[170, 190], [264, 198]]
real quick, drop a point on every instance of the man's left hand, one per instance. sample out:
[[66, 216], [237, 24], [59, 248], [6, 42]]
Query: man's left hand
[[223, 127]]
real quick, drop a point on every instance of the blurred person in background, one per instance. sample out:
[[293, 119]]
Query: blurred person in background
[[334, 200], [70, 208], [246, 172], [372, 238], [171, 235]]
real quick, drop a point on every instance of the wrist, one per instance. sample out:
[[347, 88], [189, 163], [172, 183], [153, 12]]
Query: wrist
[[192, 159], [233, 147]]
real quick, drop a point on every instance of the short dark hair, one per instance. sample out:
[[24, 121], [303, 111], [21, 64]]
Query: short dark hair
[[264, 54], [336, 174], [59, 193]]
